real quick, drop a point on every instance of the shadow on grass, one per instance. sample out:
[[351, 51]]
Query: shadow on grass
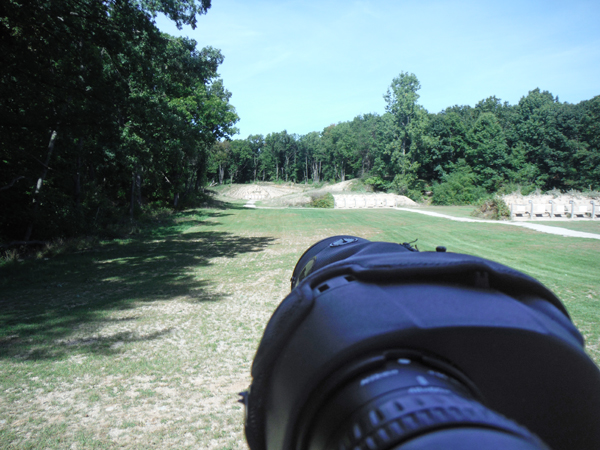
[[44, 303], [219, 204]]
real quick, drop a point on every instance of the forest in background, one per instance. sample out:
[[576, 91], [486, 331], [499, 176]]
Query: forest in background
[[104, 118], [457, 156]]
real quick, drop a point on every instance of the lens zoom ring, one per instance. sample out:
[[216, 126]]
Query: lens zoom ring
[[390, 422]]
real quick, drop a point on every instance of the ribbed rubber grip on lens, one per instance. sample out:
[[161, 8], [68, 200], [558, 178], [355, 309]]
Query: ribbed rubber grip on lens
[[392, 421]]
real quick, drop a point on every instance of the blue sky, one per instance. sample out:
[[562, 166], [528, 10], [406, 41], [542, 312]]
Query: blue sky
[[303, 65]]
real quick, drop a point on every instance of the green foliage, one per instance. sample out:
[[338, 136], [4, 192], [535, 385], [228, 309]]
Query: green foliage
[[101, 113], [408, 186], [318, 185], [492, 208], [102, 116], [359, 185], [529, 189], [408, 122], [377, 184], [488, 152], [537, 144], [406, 182], [323, 201], [458, 187]]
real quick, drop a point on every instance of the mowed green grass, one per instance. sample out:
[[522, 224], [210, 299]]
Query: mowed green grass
[[145, 342]]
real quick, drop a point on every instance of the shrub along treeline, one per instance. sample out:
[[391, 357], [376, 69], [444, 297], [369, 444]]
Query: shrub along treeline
[[459, 155], [100, 112]]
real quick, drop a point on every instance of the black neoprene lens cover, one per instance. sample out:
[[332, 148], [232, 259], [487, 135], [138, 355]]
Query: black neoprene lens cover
[[506, 332]]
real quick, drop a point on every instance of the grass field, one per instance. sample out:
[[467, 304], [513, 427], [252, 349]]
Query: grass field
[[455, 211], [145, 342]]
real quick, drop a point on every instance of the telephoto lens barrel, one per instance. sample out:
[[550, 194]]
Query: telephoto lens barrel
[[399, 402], [379, 346]]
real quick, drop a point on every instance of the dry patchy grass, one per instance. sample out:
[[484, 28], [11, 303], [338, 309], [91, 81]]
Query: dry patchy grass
[[145, 343]]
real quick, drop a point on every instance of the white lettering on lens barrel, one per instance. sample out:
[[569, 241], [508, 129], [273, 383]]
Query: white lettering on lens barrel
[[404, 361], [422, 380], [378, 376], [428, 390], [437, 374]]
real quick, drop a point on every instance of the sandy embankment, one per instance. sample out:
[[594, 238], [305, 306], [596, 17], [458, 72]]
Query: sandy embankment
[[283, 195]]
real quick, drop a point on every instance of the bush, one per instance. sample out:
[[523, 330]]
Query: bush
[[457, 188], [530, 189], [509, 188], [593, 194], [192, 200], [309, 183], [378, 184], [360, 185], [492, 208], [324, 201], [409, 187]]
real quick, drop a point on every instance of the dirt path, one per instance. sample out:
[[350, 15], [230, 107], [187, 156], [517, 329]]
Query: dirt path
[[532, 226]]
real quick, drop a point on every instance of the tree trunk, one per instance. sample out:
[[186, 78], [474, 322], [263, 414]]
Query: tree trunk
[[91, 173], [138, 185], [39, 183], [198, 179], [287, 168], [77, 177], [221, 173], [306, 172], [77, 187], [136, 191], [77, 184], [132, 196]]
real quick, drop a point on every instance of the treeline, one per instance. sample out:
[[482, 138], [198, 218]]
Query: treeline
[[458, 155], [102, 116], [101, 113]]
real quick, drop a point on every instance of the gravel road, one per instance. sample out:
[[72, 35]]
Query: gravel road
[[532, 226]]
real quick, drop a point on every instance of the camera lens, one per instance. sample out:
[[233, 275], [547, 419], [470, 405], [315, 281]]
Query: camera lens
[[379, 347], [406, 404]]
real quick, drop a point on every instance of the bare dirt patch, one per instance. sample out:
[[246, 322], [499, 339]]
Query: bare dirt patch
[[289, 194], [263, 191], [282, 195]]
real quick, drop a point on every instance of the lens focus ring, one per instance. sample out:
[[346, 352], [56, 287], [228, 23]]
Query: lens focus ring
[[388, 422]]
